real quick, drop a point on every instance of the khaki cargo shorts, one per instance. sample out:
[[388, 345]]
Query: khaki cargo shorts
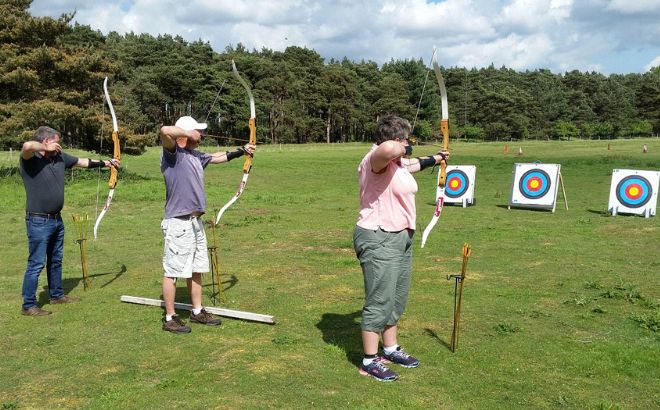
[[185, 249]]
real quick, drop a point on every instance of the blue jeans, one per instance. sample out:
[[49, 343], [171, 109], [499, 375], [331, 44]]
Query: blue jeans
[[46, 246]]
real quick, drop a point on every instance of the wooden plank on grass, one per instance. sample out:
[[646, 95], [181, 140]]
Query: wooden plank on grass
[[235, 314]]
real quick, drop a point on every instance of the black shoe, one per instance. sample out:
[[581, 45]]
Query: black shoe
[[176, 325], [378, 371], [400, 357]]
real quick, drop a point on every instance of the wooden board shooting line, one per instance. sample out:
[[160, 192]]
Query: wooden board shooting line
[[234, 314]]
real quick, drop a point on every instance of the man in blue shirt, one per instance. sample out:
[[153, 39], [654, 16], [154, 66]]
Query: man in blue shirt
[[185, 251]]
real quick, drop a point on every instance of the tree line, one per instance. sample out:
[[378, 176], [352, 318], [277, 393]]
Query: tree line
[[52, 71]]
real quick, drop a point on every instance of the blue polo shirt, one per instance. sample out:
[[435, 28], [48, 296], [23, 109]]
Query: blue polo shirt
[[183, 171]]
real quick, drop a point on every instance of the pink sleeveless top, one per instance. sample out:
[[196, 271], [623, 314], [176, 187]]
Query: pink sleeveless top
[[387, 200]]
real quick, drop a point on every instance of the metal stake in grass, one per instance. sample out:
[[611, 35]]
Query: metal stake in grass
[[458, 293], [215, 266], [82, 222]]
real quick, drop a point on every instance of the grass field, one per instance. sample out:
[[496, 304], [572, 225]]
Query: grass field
[[560, 310]]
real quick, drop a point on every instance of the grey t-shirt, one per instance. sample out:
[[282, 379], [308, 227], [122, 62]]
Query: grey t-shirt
[[183, 171], [43, 178]]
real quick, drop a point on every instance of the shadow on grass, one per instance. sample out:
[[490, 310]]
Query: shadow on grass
[[218, 295], [435, 336], [71, 283], [230, 283], [343, 331], [523, 208], [599, 212]]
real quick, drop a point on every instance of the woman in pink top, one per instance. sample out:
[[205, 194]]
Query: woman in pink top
[[383, 241]]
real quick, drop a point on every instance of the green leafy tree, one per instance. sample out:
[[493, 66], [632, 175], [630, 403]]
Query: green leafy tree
[[566, 130]]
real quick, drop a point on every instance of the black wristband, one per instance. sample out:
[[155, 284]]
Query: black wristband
[[95, 164], [235, 154], [426, 162]]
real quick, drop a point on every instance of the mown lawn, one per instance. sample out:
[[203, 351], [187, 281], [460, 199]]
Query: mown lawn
[[560, 310]]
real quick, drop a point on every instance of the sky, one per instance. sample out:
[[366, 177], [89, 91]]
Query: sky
[[607, 36]]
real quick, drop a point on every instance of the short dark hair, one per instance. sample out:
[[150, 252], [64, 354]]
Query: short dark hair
[[391, 127], [44, 133]]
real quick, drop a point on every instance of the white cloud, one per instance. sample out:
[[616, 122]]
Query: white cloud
[[448, 19], [634, 6], [513, 51], [534, 15], [654, 63]]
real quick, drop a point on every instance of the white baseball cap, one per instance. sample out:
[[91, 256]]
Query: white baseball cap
[[188, 123]]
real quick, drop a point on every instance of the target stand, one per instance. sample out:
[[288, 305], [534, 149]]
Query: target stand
[[634, 192], [535, 186], [459, 185]]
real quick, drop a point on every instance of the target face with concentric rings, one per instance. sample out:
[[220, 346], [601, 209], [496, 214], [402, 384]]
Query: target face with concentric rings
[[534, 184], [457, 183], [634, 191]]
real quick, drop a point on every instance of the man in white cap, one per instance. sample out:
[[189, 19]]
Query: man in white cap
[[185, 250]]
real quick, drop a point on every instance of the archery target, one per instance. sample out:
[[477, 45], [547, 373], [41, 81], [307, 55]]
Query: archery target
[[535, 185], [459, 185], [634, 192]]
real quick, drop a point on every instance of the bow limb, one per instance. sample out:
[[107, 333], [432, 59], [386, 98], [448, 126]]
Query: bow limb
[[442, 175], [116, 154], [247, 164]]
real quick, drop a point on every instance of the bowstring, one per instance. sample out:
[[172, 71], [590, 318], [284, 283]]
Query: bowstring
[[419, 103], [214, 101]]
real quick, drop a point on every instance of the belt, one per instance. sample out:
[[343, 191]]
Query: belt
[[187, 217], [43, 215]]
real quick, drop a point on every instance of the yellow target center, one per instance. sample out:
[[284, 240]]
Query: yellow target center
[[453, 184], [634, 191], [534, 183]]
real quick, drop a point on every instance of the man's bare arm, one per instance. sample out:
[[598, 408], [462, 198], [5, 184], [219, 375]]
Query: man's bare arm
[[30, 147]]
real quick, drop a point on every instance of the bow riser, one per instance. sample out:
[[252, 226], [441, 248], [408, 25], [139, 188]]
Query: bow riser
[[116, 154], [444, 129], [247, 164]]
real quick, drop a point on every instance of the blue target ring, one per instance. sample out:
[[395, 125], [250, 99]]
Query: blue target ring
[[534, 184], [634, 191], [457, 183]]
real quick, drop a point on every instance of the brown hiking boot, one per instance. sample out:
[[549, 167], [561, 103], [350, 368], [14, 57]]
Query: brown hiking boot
[[205, 318], [64, 299], [35, 311], [176, 325]]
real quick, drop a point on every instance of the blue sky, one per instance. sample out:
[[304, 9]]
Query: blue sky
[[608, 36]]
